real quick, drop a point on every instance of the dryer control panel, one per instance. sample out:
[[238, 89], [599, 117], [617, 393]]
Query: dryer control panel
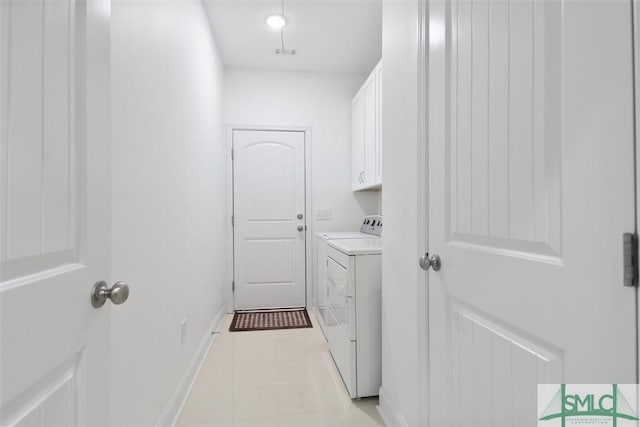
[[372, 224]]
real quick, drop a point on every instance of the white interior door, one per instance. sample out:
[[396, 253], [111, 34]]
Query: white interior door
[[54, 212], [531, 186], [269, 219]]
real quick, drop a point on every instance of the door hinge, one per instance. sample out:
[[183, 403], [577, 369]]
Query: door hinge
[[233, 286], [232, 153], [630, 251], [233, 220]]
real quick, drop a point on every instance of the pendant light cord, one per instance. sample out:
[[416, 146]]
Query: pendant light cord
[[282, 29]]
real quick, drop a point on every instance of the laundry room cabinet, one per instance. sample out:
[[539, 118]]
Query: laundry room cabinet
[[366, 142]]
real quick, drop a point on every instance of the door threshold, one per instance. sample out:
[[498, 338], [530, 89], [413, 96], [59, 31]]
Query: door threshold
[[266, 310]]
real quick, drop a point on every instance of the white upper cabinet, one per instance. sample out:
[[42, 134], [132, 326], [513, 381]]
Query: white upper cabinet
[[378, 153], [357, 141], [366, 154]]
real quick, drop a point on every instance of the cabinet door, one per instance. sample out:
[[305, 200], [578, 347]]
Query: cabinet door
[[378, 147], [357, 142], [370, 130]]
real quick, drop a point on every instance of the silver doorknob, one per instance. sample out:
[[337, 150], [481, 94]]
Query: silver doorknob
[[299, 216], [118, 293], [300, 228], [427, 262]]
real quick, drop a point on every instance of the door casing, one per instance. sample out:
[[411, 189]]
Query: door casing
[[229, 295], [422, 231], [635, 28]]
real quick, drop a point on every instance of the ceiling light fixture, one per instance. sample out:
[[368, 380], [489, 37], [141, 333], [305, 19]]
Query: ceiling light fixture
[[279, 21], [276, 22]]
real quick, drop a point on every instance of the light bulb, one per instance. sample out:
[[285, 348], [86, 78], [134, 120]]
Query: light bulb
[[276, 21]]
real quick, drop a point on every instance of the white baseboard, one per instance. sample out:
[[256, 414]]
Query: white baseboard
[[387, 411], [320, 323], [172, 411]]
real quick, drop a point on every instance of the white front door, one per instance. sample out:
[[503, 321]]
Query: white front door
[[269, 219], [54, 212], [531, 187]]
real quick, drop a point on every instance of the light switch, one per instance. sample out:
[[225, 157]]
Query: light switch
[[323, 214]]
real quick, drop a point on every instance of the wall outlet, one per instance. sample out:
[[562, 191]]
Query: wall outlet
[[323, 214], [183, 332]]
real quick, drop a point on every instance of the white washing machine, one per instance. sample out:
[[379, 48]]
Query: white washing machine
[[371, 228], [354, 313]]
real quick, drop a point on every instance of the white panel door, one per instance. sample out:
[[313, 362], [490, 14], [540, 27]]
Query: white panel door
[[270, 218], [54, 212], [531, 186]]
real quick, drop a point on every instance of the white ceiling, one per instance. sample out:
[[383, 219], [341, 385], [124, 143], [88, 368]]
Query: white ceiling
[[337, 36]]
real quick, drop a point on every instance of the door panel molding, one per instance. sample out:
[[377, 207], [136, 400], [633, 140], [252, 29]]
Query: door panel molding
[[62, 387], [505, 175], [488, 356], [38, 227]]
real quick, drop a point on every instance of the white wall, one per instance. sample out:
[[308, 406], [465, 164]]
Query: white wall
[[323, 103], [400, 373], [168, 196]]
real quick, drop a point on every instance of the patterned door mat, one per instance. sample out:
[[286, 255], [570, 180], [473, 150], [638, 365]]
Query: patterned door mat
[[272, 319]]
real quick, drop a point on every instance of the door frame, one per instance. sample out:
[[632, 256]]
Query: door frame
[[229, 295], [635, 43], [422, 230]]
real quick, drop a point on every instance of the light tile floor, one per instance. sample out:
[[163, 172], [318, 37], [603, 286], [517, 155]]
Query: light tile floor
[[273, 378]]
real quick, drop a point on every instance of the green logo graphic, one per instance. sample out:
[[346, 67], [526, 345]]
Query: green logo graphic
[[614, 406]]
